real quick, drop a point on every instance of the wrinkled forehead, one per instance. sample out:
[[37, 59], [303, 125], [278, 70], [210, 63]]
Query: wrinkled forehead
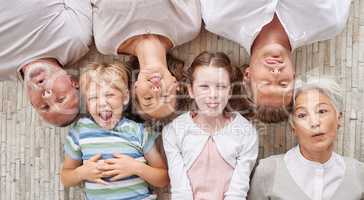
[[313, 97]]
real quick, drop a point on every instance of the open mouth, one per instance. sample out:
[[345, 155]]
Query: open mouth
[[105, 115], [274, 60]]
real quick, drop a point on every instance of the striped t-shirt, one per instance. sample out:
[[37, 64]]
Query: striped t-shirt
[[86, 139]]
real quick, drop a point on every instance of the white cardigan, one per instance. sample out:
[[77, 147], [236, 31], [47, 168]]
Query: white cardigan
[[237, 143]]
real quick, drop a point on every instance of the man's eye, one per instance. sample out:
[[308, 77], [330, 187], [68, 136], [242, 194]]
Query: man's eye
[[284, 84], [203, 86], [322, 111], [60, 100]]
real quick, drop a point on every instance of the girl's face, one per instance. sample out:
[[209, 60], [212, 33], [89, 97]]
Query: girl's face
[[315, 121], [105, 103], [210, 89]]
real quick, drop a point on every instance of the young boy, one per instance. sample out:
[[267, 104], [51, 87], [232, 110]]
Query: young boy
[[106, 150]]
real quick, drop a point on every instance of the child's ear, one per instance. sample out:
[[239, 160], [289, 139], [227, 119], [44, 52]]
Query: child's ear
[[126, 98], [190, 91]]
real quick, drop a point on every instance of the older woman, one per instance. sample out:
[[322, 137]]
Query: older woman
[[311, 170], [147, 29]]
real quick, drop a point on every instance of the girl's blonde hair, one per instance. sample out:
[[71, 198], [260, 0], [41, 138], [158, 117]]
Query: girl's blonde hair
[[115, 74]]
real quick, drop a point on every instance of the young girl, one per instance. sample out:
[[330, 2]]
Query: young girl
[[106, 150], [210, 151]]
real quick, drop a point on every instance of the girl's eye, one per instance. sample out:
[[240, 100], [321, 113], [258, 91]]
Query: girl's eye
[[221, 86], [203, 86], [110, 95]]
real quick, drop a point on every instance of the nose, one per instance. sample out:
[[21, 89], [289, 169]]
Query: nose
[[315, 121], [47, 93], [213, 93], [102, 101]]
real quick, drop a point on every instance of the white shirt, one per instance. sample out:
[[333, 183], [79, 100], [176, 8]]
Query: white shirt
[[237, 143], [30, 30], [305, 21], [115, 21], [318, 181]]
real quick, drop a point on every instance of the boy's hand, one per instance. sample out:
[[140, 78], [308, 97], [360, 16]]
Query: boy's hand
[[120, 167], [91, 170]]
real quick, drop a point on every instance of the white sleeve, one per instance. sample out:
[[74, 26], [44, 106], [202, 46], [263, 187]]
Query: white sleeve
[[180, 184], [239, 184]]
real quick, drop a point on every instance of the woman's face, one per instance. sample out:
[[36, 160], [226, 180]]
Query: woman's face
[[315, 121], [156, 94]]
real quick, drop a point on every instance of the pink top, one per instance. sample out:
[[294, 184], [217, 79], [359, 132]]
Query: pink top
[[210, 174]]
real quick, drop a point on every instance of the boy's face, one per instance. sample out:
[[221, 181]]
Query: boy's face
[[105, 103]]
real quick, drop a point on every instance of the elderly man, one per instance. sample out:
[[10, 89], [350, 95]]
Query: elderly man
[[37, 38], [270, 30]]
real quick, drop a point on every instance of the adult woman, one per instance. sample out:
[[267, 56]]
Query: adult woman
[[311, 170], [147, 29]]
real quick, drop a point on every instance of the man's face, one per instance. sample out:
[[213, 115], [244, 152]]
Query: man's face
[[52, 92], [271, 76], [156, 94]]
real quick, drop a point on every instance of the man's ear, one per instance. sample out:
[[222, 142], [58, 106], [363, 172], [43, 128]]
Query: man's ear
[[190, 91], [75, 82], [246, 73]]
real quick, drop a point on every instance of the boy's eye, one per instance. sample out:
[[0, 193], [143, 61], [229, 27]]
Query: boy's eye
[[300, 115], [203, 86]]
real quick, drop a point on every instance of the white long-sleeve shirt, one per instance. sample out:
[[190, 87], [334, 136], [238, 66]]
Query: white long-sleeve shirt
[[237, 143], [30, 30], [318, 181], [116, 21], [305, 21]]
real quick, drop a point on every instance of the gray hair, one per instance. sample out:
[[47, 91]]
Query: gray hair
[[324, 84]]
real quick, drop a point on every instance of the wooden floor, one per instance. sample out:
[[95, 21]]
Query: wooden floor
[[31, 152]]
